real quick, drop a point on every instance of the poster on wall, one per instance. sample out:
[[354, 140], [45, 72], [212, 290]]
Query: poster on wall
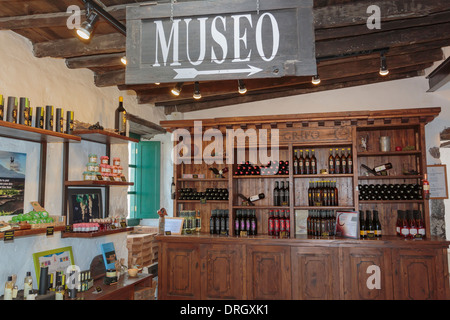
[[12, 182]]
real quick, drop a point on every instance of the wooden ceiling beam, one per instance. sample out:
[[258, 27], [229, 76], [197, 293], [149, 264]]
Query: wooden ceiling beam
[[440, 76], [96, 61], [327, 72], [228, 101]]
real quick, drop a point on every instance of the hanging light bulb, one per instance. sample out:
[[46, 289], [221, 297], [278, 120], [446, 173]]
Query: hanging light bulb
[[86, 28], [197, 95], [384, 71], [241, 87], [124, 60], [177, 89], [315, 80]]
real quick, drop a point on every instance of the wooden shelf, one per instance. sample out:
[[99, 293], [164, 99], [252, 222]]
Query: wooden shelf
[[203, 180], [317, 176], [262, 207], [199, 201], [98, 183], [280, 176], [94, 234], [102, 136], [390, 177], [389, 201], [26, 133], [324, 208], [32, 232], [390, 153]]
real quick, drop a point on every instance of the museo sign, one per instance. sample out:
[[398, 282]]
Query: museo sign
[[219, 40]]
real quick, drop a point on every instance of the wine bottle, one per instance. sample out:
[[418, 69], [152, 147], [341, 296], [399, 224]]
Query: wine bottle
[[337, 162], [285, 199], [412, 225], [369, 225], [398, 225], [349, 161], [362, 225], [276, 224], [172, 189], [308, 224], [282, 222], [404, 229], [253, 224], [212, 222], [301, 163], [218, 222], [276, 195], [376, 224], [421, 232], [121, 118], [313, 163], [295, 164], [425, 187], [198, 222], [307, 163], [288, 222], [237, 222], [2, 107], [270, 224], [331, 162], [256, 197], [382, 167], [343, 161]]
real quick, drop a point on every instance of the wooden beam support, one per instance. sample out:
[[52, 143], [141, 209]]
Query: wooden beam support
[[440, 76], [232, 100], [337, 70], [95, 61]]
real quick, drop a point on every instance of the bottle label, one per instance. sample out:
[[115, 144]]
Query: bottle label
[[378, 233], [421, 231], [426, 187], [405, 231], [413, 231]]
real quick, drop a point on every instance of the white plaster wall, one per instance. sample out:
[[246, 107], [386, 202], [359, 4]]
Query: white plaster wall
[[48, 81]]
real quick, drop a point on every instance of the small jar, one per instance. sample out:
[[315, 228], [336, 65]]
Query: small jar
[[96, 168], [119, 170], [103, 168], [90, 166], [86, 175], [114, 170], [92, 158], [116, 161], [104, 160]]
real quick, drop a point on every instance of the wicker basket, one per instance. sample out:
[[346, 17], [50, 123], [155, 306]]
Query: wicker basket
[[58, 221]]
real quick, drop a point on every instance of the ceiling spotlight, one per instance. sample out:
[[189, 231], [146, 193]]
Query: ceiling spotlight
[[315, 80], [197, 95], [384, 71], [241, 87], [124, 60], [86, 28], [177, 89], [157, 83]]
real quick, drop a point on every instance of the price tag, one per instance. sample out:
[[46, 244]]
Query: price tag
[[50, 231], [203, 200], [243, 234], [8, 235], [123, 224], [168, 233], [99, 177], [69, 228]]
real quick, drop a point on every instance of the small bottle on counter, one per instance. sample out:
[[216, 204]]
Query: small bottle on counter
[[28, 284], [9, 287]]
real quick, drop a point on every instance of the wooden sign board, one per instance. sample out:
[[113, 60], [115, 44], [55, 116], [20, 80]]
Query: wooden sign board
[[219, 40]]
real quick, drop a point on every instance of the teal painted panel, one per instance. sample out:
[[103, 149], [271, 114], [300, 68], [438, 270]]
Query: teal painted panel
[[148, 179]]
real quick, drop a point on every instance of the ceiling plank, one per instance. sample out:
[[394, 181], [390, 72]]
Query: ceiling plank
[[95, 61]]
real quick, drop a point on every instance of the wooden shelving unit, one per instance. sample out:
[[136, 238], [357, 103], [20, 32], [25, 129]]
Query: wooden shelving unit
[[33, 232], [32, 134]]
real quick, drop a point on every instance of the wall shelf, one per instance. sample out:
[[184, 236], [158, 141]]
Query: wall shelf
[[94, 234], [32, 232], [98, 183], [27, 133], [102, 136]]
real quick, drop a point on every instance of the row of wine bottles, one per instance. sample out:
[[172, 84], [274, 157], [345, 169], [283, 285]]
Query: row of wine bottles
[[19, 111], [369, 227], [323, 193], [272, 168], [218, 222], [410, 224], [208, 194], [390, 192], [192, 222], [279, 223], [245, 222], [339, 162], [321, 223], [281, 194]]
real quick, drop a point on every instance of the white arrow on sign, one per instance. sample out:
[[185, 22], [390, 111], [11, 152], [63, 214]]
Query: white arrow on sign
[[191, 73]]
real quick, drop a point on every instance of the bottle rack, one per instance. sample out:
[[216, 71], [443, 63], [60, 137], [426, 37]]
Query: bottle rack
[[322, 132]]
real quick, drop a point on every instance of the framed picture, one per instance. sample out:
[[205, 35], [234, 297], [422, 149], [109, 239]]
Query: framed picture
[[437, 177], [173, 225], [56, 260], [84, 204]]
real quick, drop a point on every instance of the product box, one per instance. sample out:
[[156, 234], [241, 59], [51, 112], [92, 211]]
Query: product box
[[193, 176], [347, 224]]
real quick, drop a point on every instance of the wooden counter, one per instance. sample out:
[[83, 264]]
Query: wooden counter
[[216, 267]]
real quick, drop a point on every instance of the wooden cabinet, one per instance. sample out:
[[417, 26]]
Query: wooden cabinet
[[268, 272], [222, 271], [180, 269], [367, 273], [315, 273], [420, 274]]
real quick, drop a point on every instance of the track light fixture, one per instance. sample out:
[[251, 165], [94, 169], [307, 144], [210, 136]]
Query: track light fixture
[[86, 28], [241, 87], [315, 80], [93, 12], [384, 71], [197, 95], [177, 89]]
